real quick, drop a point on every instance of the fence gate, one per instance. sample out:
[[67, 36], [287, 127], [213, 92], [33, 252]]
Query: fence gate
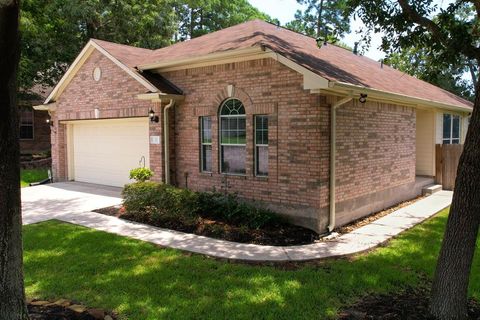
[[447, 157]]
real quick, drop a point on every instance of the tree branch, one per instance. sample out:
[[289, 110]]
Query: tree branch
[[468, 50], [421, 20]]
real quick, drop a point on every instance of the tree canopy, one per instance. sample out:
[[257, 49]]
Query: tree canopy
[[324, 18], [54, 31]]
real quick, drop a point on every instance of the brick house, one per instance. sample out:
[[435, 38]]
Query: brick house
[[34, 129], [258, 110]]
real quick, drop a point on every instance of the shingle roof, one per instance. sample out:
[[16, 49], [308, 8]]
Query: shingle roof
[[330, 61]]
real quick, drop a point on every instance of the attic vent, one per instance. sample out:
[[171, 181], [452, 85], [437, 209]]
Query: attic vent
[[97, 74]]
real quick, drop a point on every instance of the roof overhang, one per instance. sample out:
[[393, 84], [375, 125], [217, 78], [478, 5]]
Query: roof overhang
[[50, 107], [89, 48], [341, 88]]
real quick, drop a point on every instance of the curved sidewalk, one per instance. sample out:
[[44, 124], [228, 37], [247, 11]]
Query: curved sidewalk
[[73, 206]]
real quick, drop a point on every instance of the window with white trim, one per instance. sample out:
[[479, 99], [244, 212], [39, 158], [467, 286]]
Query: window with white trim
[[26, 124], [206, 144], [261, 146], [451, 129], [233, 137]]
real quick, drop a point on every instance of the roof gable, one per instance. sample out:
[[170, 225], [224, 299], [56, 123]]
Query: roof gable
[[91, 46]]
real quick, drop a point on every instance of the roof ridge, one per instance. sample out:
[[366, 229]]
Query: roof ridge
[[120, 44]]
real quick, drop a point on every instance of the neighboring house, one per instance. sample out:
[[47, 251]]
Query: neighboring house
[[258, 110], [34, 129]]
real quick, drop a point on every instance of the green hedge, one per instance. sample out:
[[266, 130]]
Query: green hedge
[[155, 203]]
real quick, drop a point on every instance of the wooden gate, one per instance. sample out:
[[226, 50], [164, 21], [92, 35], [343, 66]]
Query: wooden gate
[[447, 157]]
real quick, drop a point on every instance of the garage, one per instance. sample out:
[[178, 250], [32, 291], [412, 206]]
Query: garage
[[104, 151]]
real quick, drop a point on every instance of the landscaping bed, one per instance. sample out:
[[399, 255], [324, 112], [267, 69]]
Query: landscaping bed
[[279, 234], [409, 304], [65, 310]]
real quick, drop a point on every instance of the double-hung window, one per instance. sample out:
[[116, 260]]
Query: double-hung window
[[261, 145], [26, 124], [233, 137], [206, 144], [451, 129]]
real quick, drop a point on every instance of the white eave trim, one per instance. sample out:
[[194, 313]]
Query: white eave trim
[[46, 107], [159, 96], [80, 60], [375, 94]]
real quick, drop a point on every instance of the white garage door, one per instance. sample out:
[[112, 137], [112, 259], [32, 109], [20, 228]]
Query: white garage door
[[104, 151]]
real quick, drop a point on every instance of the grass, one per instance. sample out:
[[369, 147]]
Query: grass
[[28, 176], [142, 281]]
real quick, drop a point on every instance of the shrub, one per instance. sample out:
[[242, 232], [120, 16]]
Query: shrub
[[154, 202], [230, 209], [141, 174], [161, 204]]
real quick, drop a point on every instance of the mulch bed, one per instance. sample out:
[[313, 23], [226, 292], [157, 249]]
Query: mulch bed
[[277, 235], [410, 304], [65, 310]]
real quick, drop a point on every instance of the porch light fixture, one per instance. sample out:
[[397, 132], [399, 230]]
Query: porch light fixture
[[363, 98], [49, 121], [152, 116]]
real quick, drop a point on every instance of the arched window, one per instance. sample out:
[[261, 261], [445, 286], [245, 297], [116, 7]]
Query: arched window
[[233, 137]]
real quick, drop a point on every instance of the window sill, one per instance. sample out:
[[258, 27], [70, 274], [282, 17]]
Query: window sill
[[261, 178]]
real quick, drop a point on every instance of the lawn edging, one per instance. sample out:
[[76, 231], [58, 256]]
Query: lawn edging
[[360, 240]]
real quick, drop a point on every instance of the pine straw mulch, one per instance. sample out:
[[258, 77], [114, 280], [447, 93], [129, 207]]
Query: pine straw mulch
[[409, 304]]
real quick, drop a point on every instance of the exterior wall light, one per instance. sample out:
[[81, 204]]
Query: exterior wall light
[[49, 121], [363, 98], [152, 116]]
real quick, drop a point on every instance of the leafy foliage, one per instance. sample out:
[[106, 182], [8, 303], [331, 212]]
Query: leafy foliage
[[141, 174], [320, 18], [415, 62], [153, 203], [54, 31]]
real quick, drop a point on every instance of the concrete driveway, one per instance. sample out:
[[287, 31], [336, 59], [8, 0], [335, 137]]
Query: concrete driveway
[[55, 200]]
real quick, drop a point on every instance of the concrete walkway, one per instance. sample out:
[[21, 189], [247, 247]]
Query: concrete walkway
[[72, 202]]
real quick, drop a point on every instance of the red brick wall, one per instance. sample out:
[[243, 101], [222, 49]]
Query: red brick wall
[[298, 133], [375, 148], [115, 95], [41, 135]]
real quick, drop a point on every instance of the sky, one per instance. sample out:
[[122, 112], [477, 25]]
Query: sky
[[284, 10]]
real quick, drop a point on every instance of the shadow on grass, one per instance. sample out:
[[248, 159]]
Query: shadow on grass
[[142, 281]]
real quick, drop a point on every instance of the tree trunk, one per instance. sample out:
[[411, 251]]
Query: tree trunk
[[12, 296], [450, 285], [319, 19]]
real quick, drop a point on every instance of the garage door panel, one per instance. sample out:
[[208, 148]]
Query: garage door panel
[[106, 150]]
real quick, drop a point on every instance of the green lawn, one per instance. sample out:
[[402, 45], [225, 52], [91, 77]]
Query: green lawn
[[142, 281], [32, 175]]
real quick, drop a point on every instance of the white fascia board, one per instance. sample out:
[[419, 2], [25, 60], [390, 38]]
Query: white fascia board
[[77, 63], [397, 98], [46, 107], [80, 60], [208, 59], [311, 80]]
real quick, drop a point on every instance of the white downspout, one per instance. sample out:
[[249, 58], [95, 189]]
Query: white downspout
[[166, 142], [333, 152]]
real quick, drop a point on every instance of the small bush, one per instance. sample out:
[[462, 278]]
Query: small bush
[[230, 209], [141, 174], [161, 204], [154, 203]]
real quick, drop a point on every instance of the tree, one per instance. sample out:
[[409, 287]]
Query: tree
[[324, 18], [448, 36], [199, 17], [54, 31], [451, 77], [12, 296]]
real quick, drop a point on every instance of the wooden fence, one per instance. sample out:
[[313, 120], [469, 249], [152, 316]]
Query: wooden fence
[[446, 163]]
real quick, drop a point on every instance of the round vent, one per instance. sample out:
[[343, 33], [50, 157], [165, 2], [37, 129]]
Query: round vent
[[97, 74]]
